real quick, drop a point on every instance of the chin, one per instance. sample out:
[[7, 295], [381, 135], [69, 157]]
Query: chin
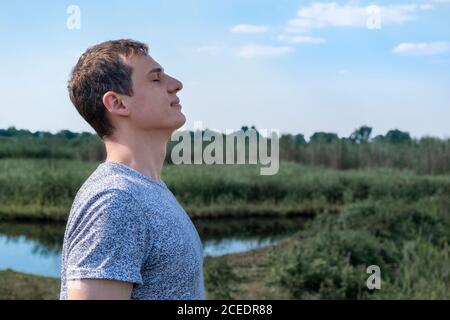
[[182, 121], [178, 122]]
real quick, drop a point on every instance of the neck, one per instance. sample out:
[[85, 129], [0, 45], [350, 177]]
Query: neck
[[142, 152]]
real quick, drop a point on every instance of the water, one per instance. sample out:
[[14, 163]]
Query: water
[[36, 248]]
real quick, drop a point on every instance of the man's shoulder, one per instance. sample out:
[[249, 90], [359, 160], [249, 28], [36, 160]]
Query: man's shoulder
[[104, 188], [105, 181], [107, 189]]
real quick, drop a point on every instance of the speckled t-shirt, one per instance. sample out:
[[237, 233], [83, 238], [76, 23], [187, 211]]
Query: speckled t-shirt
[[126, 226]]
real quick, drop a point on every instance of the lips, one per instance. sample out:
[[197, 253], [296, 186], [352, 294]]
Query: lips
[[175, 103]]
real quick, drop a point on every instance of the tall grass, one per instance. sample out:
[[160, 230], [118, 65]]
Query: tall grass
[[45, 188]]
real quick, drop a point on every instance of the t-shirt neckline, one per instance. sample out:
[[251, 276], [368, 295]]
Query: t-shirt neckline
[[134, 171]]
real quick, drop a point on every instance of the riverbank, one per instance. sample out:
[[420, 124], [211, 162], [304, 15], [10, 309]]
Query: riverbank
[[326, 259], [405, 245], [252, 267], [22, 286], [240, 210]]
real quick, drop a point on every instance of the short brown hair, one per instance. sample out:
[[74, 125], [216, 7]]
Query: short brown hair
[[100, 69]]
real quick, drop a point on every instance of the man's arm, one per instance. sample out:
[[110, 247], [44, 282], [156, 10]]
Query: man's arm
[[98, 289], [107, 253]]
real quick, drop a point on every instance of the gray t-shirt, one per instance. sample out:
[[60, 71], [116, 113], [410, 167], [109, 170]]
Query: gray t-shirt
[[126, 226]]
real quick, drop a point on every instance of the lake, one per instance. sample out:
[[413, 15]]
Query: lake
[[36, 248]]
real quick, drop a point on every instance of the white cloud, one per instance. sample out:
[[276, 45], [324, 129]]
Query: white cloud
[[423, 48], [322, 15], [301, 39], [251, 51], [249, 28]]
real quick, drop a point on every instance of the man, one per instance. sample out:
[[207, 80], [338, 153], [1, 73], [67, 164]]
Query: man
[[127, 236]]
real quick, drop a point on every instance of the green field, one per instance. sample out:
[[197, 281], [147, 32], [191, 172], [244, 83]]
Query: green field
[[44, 189], [395, 219]]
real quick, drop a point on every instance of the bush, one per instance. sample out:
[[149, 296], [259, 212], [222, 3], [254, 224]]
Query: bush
[[409, 242]]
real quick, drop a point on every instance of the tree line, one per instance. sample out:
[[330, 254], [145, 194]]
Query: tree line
[[395, 149]]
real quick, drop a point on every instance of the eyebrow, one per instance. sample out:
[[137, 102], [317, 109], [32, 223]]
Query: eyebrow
[[158, 69]]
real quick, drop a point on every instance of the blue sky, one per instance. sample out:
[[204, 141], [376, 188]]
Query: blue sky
[[296, 66]]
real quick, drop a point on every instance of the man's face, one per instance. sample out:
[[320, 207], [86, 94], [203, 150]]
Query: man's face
[[154, 104]]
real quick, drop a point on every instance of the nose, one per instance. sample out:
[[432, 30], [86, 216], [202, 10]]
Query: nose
[[175, 85]]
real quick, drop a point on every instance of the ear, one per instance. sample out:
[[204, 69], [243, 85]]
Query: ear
[[113, 102]]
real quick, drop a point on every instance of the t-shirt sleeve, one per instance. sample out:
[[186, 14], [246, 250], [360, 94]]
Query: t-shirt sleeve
[[110, 240]]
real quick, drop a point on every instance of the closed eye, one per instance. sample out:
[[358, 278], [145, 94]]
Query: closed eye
[[157, 77], [155, 74]]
